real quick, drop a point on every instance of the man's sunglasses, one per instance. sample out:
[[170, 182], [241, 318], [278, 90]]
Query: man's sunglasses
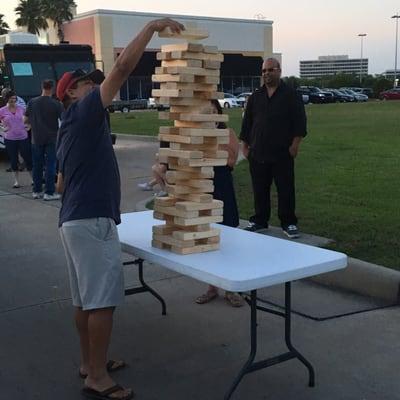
[[264, 70]]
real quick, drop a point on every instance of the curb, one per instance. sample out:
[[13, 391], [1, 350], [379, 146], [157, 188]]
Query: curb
[[145, 138], [366, 279]]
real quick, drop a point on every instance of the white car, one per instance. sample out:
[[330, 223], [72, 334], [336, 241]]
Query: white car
[[241, 98], [229, 101]]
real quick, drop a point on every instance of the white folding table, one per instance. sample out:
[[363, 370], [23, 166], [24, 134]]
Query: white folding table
[[245, 262]]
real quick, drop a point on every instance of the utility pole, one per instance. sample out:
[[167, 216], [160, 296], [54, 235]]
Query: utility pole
[[361, 35], [397, 16]]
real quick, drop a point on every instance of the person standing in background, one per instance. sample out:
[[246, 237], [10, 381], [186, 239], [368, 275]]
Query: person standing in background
[[43, 113], [15, 135], [273, 126]]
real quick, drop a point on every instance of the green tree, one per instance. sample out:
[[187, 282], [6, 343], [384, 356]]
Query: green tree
[[31, 16], [58, 11], [4, 28]]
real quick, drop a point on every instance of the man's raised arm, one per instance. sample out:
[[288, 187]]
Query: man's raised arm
[[130, 56]]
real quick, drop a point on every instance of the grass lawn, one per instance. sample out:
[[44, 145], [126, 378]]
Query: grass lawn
[[347, 176]]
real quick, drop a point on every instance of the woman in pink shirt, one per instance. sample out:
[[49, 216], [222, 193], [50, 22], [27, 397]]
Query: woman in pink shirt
[[15, 135]]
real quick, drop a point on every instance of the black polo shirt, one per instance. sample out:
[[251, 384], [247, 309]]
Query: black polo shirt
[[87, 161], [270, 123]]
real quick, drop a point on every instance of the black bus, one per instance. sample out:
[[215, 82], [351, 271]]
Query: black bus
[[24, 66]]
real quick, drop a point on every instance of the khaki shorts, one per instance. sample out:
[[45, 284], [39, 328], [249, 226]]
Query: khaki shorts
[[93, 253]]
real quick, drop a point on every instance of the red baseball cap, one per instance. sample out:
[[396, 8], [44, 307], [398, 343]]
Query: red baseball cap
[[70, 78]]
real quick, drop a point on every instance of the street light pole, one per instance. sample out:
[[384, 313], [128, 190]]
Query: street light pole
[[361, 35], [397, 16]]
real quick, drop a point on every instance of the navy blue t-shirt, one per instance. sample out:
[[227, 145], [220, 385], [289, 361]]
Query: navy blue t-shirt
[[87, 162]]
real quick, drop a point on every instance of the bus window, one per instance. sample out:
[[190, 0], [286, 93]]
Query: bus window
[[27, 77]]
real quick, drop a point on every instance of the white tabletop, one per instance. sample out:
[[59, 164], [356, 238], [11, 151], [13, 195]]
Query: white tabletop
[[245, 260]]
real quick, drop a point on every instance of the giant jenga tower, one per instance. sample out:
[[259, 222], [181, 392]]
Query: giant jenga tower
[[188, 78]]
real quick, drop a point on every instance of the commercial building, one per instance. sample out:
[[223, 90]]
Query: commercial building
[[244, 43], [332, 65]]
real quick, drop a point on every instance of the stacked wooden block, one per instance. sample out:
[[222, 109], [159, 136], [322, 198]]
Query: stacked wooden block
[[188, 79]]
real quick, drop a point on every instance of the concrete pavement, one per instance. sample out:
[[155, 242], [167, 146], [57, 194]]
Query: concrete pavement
[[195, 351]]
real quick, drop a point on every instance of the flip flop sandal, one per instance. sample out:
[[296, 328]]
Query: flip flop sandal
[[234, 299], [206, 297], [111, 366], [105, 394]]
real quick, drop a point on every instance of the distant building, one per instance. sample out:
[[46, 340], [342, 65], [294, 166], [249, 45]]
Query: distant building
[[333, 65], [389, 74], [18, 37]]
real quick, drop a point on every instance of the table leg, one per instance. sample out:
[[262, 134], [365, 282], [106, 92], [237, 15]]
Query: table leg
[[145, 287], [253, 345], [288, 339], [250, 365]]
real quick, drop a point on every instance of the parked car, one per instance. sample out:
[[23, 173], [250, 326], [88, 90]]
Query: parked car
[[391, 94], [152, 105], [339, 96], [127, 105], [314, 94], [229, 101], [358, 96], [241, 98]]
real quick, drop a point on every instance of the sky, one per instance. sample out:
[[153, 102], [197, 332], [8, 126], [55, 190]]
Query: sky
[[303, 29]]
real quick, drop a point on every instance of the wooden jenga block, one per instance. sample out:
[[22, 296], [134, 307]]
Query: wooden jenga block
[[214, 132], [165, 201], [193, 47], [188, 71], [186, 63], [210, 49], [195, 125], [173, 78], [190, 205], [188, 55], [184, 101], [171, 93], [200, 147], [203, 162], [181, 154], [179, 189], [188, 33], [197, 197], [182, 235], [174, 176], [207, 79], [202, 87], [197, 221], [181, 139], [211, 64], [194, 117], [176, 212]]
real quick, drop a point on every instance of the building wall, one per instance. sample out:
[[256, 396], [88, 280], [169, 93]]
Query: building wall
[[114, 29], [81, 31]]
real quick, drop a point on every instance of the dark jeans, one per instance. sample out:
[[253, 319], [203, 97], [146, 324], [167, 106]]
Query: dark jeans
[[281, 173], [21, 146], [44, 155]]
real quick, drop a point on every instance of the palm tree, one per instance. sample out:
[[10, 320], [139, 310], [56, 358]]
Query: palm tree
[[58, 11], [31, 16], [4, 28]]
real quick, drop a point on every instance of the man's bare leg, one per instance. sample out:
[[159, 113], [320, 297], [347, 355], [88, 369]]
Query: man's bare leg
[[100, 323], [81, 322]]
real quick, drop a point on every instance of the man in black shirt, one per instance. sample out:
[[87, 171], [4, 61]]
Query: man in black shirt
[[273, 126]]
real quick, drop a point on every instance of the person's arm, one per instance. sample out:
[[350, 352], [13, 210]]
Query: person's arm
[[299, 125], [60, 183], [130, 56], [247, 124], [232, 148]]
